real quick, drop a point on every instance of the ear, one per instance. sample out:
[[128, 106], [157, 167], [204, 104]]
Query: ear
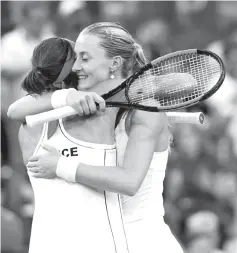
[[116, 64]]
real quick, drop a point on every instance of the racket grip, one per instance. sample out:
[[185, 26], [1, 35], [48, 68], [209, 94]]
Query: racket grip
[[51, 115], [174, 117], [186, 117]]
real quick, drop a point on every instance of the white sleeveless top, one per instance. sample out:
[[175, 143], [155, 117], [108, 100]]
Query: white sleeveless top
[[148, 201], [70, 217], [143, 213]]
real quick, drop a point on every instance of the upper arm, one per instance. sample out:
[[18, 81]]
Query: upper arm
[[143, 135], [29, 105], [144, 131]]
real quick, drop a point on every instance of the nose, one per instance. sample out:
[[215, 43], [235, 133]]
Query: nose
[[77, 66]]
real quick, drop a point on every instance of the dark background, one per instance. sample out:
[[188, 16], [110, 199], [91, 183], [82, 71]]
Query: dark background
[[200, 188]]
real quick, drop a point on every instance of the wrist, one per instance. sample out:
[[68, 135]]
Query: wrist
[[59, 98], [67, 168]]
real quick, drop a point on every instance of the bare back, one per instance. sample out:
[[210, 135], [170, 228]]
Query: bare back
[[97, 128]]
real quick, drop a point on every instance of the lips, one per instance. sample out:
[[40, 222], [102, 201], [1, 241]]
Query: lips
[[82, 76]]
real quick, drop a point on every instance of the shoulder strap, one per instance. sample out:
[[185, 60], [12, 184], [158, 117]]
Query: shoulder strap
[[52, 126], [119, 116]]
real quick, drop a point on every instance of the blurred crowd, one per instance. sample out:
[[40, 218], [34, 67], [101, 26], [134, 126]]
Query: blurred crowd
[[200, 189]]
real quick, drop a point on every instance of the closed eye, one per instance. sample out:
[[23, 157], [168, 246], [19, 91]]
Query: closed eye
[[85, 59], [84, 56]]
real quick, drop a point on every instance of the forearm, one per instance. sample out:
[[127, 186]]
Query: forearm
[[29, 105], [108, 178], [126, 179], [33, 104], [136, 161]]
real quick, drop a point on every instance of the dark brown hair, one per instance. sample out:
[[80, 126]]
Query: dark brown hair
[[48, 60]]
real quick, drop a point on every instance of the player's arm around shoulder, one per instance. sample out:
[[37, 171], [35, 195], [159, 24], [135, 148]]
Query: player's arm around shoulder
[[83, 102], [31, 104], [145, 129]]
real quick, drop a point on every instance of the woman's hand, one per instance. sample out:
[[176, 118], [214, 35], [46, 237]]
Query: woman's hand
[[45, 165], [85, 102]]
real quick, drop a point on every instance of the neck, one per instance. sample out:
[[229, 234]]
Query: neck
[[105, 86]]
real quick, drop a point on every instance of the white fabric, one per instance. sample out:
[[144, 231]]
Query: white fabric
[[151, 235], [66, 172], [59, 98], [74, 218], [143, 213]]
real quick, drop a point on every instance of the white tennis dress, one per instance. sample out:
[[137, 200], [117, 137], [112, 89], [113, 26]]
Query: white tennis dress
[[72, 218], [143, 213]]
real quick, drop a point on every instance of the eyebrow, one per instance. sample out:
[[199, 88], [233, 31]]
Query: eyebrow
[[83, 52]]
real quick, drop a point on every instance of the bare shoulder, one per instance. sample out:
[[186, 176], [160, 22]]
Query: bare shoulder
[[152, 126], [150, 120], [28, 139]]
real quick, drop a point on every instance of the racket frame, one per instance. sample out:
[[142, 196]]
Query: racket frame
[[126, 84]]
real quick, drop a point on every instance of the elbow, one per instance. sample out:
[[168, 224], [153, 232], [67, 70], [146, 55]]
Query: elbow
[[10, 112], [13, 113], [132, 188], [130, 192], [126, 183]]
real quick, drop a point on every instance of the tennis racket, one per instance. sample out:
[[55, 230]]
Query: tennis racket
[[173, 117], [170, 82]]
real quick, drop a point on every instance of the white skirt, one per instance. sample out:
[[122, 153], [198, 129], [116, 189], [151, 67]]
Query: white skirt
[[151, 236]]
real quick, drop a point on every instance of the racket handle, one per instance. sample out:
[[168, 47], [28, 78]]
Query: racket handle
[[51, 115], [186, 117], [174, 117]]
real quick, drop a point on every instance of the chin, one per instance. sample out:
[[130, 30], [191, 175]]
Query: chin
[[84, 86]]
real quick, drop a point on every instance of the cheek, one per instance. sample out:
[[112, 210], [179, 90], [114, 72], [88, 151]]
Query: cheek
[[101, 72]]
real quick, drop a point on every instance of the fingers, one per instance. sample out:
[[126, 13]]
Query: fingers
[[37, 175], [32, 164], [95, 102], [35, 172], [98, 99], [85, 106], [33, 158], [33, 169], [85, 102], [77, 106], [48, 147], [73, 100], [102, 106], [91, 104]]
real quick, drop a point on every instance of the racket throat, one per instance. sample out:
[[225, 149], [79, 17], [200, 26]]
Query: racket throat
[[118, 104]]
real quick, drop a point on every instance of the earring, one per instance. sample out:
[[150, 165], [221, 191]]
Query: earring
[[111, 76]]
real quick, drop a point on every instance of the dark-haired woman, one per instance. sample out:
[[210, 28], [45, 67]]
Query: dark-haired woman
[[68, 217]]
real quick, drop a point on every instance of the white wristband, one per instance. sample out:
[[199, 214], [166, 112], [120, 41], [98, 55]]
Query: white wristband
[[59, 98], [67, 168]]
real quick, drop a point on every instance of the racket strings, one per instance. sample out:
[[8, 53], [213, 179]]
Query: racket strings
[[175, 81]]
